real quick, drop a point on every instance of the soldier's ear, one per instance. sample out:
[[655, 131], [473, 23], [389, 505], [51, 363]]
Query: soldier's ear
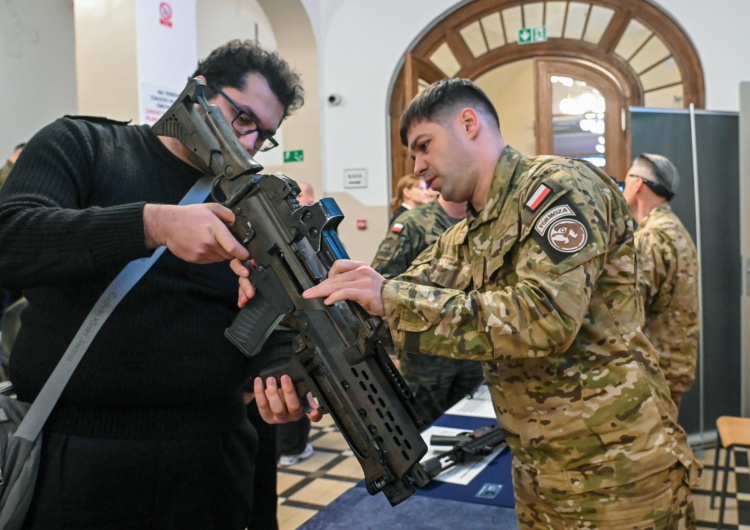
[[469, 120]]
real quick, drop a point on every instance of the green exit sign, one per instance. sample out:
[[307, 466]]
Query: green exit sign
[[531, 35], [294, 156]]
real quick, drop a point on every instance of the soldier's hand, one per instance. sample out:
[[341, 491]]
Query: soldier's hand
[[196, 233], [351, 280]]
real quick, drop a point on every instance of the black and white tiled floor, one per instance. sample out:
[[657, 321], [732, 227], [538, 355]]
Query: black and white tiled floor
[[308, 487], [737, 515]]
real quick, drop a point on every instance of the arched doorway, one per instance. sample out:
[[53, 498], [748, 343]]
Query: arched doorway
[[631, 52]]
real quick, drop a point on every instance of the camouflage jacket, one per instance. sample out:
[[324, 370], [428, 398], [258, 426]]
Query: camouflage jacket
[[540, 285], [414, 231], [668, 280], [4, 171]]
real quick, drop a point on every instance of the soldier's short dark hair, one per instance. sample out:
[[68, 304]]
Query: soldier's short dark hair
[[441, 100], [230, 64]]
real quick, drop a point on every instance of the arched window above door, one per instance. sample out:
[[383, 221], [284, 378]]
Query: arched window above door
[[640, 46]]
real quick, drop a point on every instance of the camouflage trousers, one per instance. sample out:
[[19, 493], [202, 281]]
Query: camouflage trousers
[[439, 382], [661, 501]]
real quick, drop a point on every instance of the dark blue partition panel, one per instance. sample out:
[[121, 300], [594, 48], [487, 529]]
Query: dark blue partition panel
[[667, 132]]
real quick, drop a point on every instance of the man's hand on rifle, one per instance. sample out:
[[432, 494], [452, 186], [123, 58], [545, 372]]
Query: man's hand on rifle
[[196, 233], [246, 291], [351, 280], [281, 405]]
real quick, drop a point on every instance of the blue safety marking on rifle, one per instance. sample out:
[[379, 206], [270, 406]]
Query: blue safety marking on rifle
[[489, 491]]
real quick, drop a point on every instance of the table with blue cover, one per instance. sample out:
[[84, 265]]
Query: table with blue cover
[[485, 503]]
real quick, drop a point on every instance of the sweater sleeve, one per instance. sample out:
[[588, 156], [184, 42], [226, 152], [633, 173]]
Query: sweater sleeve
[[54, 227]]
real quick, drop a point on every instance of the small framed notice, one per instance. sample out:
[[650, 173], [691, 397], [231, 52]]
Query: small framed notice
[[355, 178]]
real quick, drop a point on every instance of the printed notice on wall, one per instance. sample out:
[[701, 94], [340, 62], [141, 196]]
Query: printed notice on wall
[[155, 101], [355, 178]]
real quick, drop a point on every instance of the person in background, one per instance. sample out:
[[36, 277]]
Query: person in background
[[7, 296], [151, 431], [410, 192], [293, 444], [667, 270], [431, 194], [5, 170], [436, 382], [307, 193], [539, 283]]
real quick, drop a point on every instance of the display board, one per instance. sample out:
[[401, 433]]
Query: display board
[[668, 132]]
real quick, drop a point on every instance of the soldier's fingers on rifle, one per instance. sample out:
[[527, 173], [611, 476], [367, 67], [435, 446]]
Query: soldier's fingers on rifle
[[338, 276], [354, 281], [341, 266]]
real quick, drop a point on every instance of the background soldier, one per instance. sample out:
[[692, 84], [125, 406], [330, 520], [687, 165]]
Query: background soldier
[[436, 382], [667, 270], [539, 283], [411, 191], [307, 193], [10, 162]]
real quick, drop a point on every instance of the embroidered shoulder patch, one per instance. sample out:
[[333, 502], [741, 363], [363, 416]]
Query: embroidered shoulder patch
[[397, 228], [538, 197], [552, 215], [562, 230], [568, 235]]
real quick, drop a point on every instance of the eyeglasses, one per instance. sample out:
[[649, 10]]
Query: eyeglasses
[[657, 188], [245, 123]]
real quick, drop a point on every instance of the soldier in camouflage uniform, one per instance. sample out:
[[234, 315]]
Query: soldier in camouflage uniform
[[539, 283], [436, 382], [667, 270], [5, 170]]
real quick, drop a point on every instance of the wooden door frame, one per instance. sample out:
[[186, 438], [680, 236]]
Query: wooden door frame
[[446, 30], [616, 103]]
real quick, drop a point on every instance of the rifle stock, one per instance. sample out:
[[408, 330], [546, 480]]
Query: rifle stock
[[337, 352]]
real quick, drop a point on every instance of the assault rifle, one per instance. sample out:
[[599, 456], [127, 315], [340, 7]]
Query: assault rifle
[[465, 446], [338, 354]]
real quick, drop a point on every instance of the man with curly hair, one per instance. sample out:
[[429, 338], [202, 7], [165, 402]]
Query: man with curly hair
[[151, 430]]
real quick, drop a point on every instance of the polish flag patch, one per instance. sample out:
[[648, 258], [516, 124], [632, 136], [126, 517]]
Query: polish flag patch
[[397, 228], [538, 198]]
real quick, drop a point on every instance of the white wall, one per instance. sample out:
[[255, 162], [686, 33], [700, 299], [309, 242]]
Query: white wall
[[508, 89], [719, 33], [37, 61], [362, 42]]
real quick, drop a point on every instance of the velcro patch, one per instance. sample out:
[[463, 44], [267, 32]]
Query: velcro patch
[[397, 228], [552, 215], [538, 197], [562, 230], [568, 235]]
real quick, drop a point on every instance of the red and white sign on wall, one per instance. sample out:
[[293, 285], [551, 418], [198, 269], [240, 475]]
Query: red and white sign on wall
[[165, 14]]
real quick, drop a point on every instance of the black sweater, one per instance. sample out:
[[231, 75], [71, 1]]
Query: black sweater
[[71, 217]]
